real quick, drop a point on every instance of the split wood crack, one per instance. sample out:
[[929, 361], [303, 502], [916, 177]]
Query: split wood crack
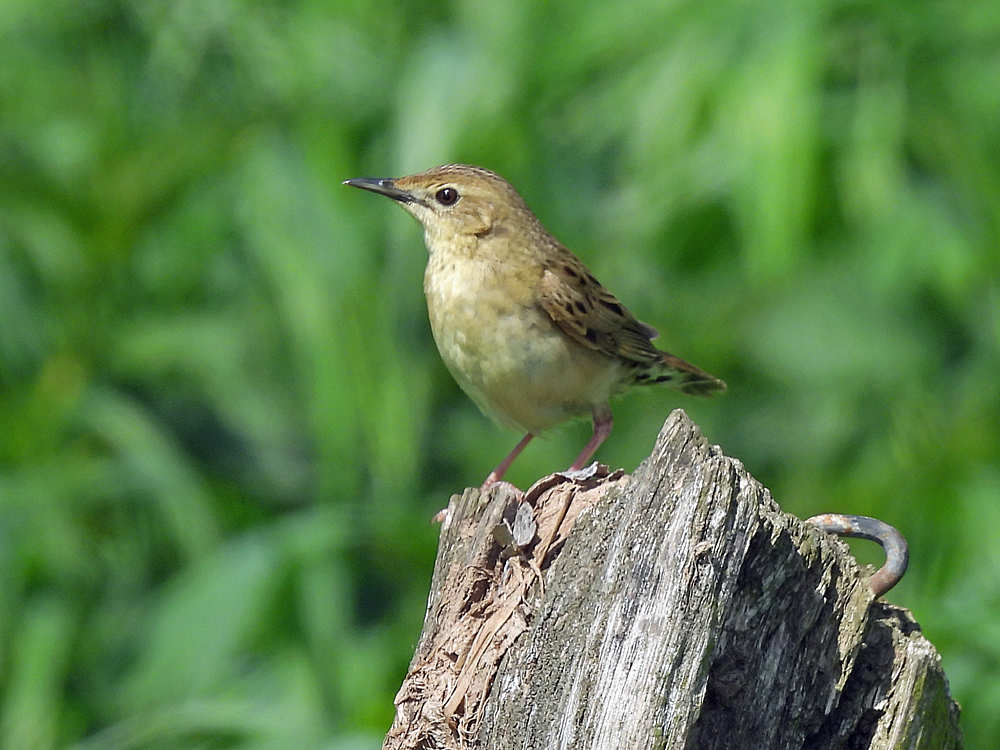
[[485, 602]]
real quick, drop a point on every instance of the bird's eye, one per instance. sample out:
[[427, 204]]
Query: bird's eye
[[446, 196]]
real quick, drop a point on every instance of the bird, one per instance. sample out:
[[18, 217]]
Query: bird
[[530, 335]]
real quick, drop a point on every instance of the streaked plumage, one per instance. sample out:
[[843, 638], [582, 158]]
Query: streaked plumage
[[526, 330]]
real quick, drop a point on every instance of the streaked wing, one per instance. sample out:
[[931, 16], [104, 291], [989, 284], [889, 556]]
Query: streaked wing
[[591, 315]]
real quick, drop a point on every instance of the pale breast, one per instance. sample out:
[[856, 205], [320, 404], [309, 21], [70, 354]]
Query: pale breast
[[506, 353]]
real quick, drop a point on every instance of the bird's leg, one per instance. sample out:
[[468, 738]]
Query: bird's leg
[[602, 428], [497, 474]]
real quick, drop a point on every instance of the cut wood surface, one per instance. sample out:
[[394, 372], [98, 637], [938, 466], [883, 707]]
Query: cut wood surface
[[678, 607]]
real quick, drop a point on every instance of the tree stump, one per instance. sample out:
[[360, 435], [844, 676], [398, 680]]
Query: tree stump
[[674, 608]]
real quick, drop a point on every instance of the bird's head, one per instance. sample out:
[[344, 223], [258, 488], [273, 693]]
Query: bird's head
[[454, 202]]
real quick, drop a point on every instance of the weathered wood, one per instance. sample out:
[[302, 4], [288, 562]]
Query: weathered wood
[[674, 608]]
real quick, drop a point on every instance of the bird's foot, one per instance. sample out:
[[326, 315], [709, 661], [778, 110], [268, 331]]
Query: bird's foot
[[582, 475]]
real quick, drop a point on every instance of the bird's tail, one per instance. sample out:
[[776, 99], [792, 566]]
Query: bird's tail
[[676, 373]]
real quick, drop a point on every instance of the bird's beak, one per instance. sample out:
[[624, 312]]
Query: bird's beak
[[382, 186]]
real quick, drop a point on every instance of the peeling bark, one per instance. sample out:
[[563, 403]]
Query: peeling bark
[[674, 608]]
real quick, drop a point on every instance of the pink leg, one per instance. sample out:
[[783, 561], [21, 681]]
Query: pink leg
[[497, 474], [602, 428]]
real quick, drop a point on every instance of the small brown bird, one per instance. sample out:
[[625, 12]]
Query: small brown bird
[[526, 330]]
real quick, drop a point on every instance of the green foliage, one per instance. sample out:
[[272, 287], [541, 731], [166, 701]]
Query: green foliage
[[223, 425]]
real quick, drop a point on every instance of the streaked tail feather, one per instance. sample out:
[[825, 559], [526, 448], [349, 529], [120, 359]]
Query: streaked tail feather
[[676, 373]]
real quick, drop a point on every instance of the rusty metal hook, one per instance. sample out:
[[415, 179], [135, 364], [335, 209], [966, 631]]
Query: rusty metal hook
[[897, 554]]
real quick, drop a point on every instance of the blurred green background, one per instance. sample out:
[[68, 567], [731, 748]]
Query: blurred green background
[[223, 423]]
